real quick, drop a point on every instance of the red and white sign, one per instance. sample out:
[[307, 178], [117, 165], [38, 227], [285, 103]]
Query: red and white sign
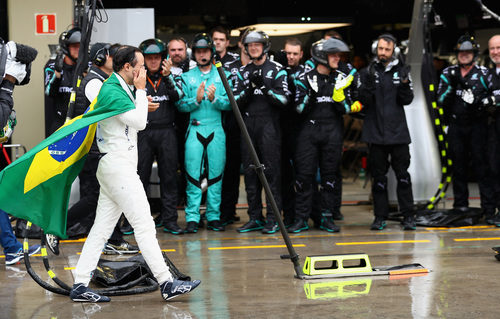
[[45, 23]]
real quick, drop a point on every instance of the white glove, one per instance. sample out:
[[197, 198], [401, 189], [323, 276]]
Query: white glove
[[467, 96], [313, 82], [13, 67]]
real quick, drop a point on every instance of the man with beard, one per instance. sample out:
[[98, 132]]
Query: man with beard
[[387, 89]]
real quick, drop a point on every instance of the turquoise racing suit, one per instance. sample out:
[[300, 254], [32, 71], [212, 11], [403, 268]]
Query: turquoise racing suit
[[205, 145]]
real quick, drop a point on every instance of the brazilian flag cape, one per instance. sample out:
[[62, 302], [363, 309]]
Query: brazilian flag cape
[[36, 187]]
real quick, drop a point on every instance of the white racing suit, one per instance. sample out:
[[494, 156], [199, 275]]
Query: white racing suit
[[122, 191]]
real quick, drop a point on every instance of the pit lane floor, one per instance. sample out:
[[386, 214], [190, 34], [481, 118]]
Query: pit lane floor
[[243, 276]]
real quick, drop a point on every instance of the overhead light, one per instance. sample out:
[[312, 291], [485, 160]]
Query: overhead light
[[284, 29]]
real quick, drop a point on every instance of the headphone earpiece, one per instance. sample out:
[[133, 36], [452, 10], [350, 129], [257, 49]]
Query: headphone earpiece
[[102, 55]]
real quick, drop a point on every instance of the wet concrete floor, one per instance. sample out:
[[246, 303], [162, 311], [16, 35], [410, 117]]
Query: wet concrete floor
[[243, 276]]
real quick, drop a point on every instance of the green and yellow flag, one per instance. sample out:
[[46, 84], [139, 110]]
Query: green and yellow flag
[[36, 187]]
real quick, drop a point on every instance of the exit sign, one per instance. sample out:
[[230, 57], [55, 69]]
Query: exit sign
[[45, 23]]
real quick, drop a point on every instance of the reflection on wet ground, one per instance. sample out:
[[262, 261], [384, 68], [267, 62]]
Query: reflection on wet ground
[[243, 276]]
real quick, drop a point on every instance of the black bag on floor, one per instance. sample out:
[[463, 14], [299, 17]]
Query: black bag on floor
[[448, 217], [129, 273], [20, 230]]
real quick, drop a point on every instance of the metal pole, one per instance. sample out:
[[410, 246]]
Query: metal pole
[[259, 169]]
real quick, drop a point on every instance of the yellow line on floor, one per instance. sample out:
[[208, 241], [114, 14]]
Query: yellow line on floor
[[80, 240], [69, 268], [254, 247], [474, 239], [463, 227], [384, 242]]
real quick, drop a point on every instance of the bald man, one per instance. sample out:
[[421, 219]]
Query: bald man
[[492, 102]]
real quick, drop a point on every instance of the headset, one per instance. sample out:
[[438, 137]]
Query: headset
[[101, 55], [68, 37], [390, 38]]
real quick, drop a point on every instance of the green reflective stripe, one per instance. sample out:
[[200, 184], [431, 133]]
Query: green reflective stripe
[[279, 97], [298, 83], [483, 83], [280, 73]]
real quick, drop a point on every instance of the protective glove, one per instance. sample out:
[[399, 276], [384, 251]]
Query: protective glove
[[25, 54], [488, 101], [281, 58], [8, 129], [356, 107], [404, 73], [59, 62], [345, 108], [313, 83], [18, 63], [453, 78], [256, 78], [340, 85], [12, 66], [468, 96]]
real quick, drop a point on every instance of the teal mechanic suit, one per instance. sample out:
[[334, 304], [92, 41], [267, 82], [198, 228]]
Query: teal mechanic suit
[[205, 147]]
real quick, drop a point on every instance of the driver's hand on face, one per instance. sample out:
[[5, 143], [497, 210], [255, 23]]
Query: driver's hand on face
[[140, 79]]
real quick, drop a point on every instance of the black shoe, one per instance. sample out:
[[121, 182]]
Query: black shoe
[[158, 221], [378, 224], [492, 219], [251, 225], [120, 249], [270, 228], [81, 293], [126, 228], [192, 227], [201, 224], [328, 225], [173, 228], [227, 220], [298, 226], [409, 223], [337, 215], [288, 222], [172, 289], [53, 243], [215, 225]]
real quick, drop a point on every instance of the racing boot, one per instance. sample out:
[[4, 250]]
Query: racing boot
[[298, 226], [251, 225], [172, 289], [270, 227], [327, 222], [492, 219], [173, 228], [378, 224]]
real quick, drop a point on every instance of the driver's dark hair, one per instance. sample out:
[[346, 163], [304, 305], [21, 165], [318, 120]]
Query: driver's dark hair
[[125, 54]]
